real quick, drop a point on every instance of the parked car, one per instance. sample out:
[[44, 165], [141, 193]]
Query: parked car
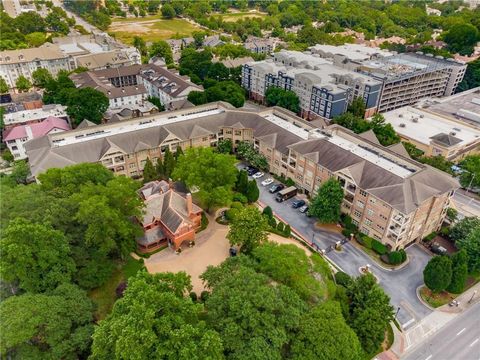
[[276, 188], [258, 175], [298, 203], [303, 209], [286, 194], [251, 171], [438, 249], [267, 182]]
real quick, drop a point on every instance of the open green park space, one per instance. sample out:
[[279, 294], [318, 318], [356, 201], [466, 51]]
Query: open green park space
[[150, 29], [235, 16]]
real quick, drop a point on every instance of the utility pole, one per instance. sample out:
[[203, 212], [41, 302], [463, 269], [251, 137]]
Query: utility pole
[[473, 295], [398, 310]]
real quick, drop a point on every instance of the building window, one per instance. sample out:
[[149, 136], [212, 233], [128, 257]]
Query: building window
[[370, 212], [360, 204], [365, 230], [363, 193], [368, 222], [357, 213]]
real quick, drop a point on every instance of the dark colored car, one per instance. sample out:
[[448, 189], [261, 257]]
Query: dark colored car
[[297, 203], [276, 188], [251, 171]]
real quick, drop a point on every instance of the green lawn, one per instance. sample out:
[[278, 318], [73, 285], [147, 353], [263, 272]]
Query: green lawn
[[436, 300], [150, 28], [104, 297]]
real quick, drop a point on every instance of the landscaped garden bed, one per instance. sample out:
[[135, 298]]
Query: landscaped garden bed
[[435, 300]]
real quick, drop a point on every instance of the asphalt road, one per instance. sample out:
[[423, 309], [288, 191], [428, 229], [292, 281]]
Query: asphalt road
[[458, 340], [400, 285], [467, 205]]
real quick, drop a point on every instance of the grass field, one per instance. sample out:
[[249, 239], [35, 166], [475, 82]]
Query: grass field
[[232, 17], [104, 297], [150, 28]]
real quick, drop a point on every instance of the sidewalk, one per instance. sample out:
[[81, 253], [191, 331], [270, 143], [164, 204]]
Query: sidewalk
[[410, 339]]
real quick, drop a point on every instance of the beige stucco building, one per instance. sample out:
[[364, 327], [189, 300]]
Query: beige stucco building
[[390, 197]]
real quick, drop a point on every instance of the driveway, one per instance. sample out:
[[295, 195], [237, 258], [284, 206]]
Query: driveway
[[400, 285]]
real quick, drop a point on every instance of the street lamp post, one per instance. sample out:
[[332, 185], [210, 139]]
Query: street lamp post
[[473, 295], [398, 310]]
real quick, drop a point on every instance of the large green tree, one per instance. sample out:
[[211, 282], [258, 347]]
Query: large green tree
[[326, 204], [461, 38], [213, 174], [287, 99], [357, 107], [3, 86], [437, 275], [35, 256], [149, 172], [155, 319], [370, 311], [463, 228], [161, 49], [23, 84], [87, 103], [470, 176], [53, 325], [253, 193], [471, 245], [248, 229], [41, 77], [459, 272], [324, 335], [254, 317], [168, 12]]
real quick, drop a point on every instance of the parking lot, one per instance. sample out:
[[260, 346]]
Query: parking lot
[[400, 285]]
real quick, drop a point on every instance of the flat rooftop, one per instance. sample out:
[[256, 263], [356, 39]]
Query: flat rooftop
[[102, 131], [421, 125], [300, 132], [355, 52], [19, 117], [463, 106]]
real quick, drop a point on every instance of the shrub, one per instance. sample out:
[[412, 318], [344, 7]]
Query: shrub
[[445, 231], [204, 295], [289, 182], [395, 258], [430, 237], [404, 255], [237, 197], [287, 231], [367, 241], [280, 226], [378, 247], [193, 296], [272, 222], [203, 222], [231, 214], [268, 212], [346, 233], [343, 279], [236, 205]]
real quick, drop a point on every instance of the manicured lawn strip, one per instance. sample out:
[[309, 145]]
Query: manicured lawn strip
[[231, 17], [436, 300], [104, 296]]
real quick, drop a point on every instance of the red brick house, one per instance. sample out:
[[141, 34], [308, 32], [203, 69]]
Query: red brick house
[[169, 217]]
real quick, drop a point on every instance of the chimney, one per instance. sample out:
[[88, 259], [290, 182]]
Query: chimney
[[189, 204]]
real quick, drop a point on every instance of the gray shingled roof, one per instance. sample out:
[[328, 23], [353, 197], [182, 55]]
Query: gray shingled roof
[[446, 139]]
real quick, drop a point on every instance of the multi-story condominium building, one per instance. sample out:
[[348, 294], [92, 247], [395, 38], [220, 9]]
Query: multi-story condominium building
[[97, 51], [389, 196], [259, 45], [384, 80], [31, 116], [16, 137], [435, 134], [410, 77], [15, 63], [324, 90], [118, 84]]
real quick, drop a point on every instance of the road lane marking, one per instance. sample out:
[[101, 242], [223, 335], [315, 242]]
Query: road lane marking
[[461, 331], [474, 342], [428, 358]]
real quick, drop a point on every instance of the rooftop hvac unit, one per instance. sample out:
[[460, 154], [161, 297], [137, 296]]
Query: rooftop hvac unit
[[402, 125], [453, 133], [422, 116], [415, 120], [400, 115]]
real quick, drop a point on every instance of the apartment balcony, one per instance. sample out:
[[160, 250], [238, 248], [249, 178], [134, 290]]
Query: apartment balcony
[[351, 188], [396, 229], [349, 198]]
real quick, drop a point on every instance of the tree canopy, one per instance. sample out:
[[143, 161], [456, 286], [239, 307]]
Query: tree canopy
[[214, 174], [470, 175], [285, 98], [169, 323], [248, 229], [326, 204], [437, 275], [87, 104]]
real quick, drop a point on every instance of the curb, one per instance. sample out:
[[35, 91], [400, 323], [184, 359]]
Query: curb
[[417, 291], [304, 241]]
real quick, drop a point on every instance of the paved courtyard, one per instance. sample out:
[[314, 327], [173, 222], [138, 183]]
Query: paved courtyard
[[212, 248], [400, 285]]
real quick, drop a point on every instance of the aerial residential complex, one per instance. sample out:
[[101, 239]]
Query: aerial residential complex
[[96, 51], [391, 197], [327, 78], [129, 86]]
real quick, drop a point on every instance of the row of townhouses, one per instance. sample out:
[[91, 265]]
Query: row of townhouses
[[95, 51], [389, 196], [327, 78]]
